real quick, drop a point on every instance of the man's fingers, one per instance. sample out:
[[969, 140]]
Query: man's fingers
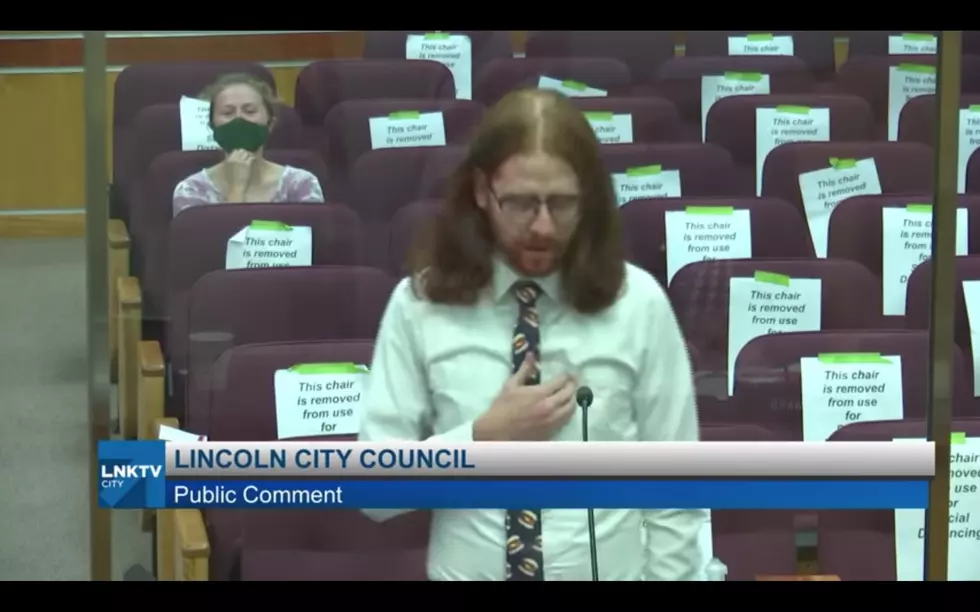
[[523, 373]]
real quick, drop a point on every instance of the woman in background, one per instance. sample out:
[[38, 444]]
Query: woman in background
[[242, 115]]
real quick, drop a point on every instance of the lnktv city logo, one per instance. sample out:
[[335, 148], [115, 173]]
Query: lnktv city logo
[[132, 475]]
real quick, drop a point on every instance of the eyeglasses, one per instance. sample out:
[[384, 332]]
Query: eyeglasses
[[524, 208]]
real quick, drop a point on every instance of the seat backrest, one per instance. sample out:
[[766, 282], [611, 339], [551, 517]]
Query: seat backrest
[[299, 545], [501, 76], [903, 167], [919, 298], [242, 404], [859, 545], [680, 79], [142, 85], [814, 47], [199, 239], [347, 133], [751, 543], [228, 308], [917, 121], [768, 380], [485, 46], [868, 77], [642, 51], [864, 43], [700, 296], [651, 119], [322, 84], [705, 170], [777, 230], [732, 123], [383, 181], [973, 174], [856, 233]]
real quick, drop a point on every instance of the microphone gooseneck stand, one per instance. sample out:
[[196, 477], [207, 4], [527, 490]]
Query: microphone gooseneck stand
[[584, 400]]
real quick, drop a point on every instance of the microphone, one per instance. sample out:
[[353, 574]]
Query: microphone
[[583, 397]]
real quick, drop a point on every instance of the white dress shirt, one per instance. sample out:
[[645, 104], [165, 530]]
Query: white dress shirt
[[437, 368]]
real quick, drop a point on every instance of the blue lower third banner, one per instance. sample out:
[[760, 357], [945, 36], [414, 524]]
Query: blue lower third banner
[[487, 494]]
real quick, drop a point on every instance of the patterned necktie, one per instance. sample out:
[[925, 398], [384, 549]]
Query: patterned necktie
[[525, 561]]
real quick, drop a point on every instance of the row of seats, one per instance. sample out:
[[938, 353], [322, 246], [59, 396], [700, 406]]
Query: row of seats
[[731, 125], [226, 308]]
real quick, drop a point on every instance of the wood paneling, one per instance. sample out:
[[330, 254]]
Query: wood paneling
[[67, 52], [42, 226], [44, 138]]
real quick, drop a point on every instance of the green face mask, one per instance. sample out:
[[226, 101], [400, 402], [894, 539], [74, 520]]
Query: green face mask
[[241, 134]]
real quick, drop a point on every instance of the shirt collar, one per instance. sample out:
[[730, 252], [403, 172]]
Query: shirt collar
[[504, 278]]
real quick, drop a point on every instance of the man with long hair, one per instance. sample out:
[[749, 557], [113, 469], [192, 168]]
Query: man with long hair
[[519, 294]]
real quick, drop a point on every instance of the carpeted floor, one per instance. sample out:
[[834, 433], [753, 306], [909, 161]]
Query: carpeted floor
[[43, 403]]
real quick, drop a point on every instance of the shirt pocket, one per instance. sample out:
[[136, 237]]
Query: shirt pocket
[[463, 386]]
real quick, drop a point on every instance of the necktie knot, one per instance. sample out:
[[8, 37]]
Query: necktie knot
[[527, 292]]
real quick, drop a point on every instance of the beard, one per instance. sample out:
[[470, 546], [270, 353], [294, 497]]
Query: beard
[[534, 257]]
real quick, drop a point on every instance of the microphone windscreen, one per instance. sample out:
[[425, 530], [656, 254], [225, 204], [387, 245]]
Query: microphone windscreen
[[583, 397]]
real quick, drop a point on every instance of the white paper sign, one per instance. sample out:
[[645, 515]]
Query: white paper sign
[[964, 520], [760, 44], [700, 233], [195, 125], [319, 399], [270, 244], [912, 44], [906, 242], [407, 129], [646, 182], [838, 389], [907, 81], [822, 190], [572, 89], [776, 126], [971, 295], [172, 434], [767, 304], [968, 142], [611, 128], [714, 88], [454, 51]]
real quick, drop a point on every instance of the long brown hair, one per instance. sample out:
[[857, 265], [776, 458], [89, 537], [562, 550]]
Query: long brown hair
[[452, 259]]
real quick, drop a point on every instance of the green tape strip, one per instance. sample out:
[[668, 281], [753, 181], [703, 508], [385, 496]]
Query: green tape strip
[[574, 85], [772, 278], [744, 76], [839, 358], [644, 171], [790, 108], [958, 437], [270, 226], [919, 208], [598, 116], [405, 115], [327, 368], [842, 164], [437, 36], [920, 68], [758, 37], [919, 37], [709, 210]]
